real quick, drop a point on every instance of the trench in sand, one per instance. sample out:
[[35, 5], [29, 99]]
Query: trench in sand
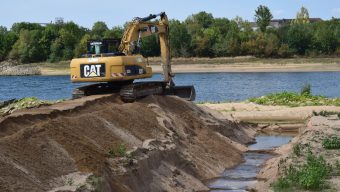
[[243, 176]]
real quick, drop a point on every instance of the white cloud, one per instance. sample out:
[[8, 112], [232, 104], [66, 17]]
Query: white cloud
[[336, 11]]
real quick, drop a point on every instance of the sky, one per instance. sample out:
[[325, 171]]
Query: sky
[[117, 12]]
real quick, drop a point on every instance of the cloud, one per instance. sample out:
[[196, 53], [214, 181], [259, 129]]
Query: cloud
[[277, 13], [336, 11]]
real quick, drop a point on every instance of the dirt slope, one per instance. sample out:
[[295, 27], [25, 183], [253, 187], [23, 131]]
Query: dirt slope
[[172, 146]]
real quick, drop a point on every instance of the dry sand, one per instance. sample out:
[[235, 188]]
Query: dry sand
[[172, 146], [269, 118], [251, 67]]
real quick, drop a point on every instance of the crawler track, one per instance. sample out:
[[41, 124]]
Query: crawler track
[[129, 91]]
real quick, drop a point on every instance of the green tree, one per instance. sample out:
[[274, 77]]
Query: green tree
[[150, 46], [180, 39], [3, 33], [203, 19], [28, 48], [64, 44], [299, 38], [203, 36], [57, 47], [114, 33], [82, 45], [325, 38], [98, 30], [203, 44], [263, 17], [17, 27]]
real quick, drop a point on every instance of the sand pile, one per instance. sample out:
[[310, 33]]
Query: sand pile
[[100, 143]]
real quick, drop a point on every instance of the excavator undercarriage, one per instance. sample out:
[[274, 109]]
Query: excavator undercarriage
[[129, 91]]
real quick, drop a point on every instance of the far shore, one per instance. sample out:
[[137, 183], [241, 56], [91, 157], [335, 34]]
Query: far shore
[[236, 68], [215, 65]]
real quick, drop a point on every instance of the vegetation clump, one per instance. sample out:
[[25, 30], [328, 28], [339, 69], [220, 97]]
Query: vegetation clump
[[28, 102], [331, 143], [293, 99], [311, 175], [119, 151]]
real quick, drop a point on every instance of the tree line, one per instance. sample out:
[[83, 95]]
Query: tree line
[[200, 35]]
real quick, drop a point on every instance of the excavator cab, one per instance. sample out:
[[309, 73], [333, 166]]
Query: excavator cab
[[105, 47]]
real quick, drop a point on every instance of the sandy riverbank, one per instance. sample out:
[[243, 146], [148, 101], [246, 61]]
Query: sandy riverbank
[[269, 118], [213, 65], [237, 67]]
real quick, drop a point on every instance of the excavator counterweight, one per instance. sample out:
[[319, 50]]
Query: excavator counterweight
[[117, 67]]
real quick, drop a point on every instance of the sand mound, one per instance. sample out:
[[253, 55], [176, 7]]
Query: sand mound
[[172, 146]]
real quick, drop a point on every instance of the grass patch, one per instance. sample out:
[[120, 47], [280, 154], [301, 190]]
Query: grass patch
[[331, 143], [28, 102], [311, 175], [293, 99], [119, 151]]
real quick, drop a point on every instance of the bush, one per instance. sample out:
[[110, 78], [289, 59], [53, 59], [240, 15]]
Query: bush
[[311, 175], [331, 143], [119, 151], [306, 90], [281, 184]]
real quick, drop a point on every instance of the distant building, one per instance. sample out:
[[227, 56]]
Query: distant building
[[59, 20], [277, 23]]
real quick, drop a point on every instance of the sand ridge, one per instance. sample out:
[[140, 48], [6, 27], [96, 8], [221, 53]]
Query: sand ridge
[[172, 145]]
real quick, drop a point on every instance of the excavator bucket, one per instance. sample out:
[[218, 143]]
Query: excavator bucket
[[186, 92]]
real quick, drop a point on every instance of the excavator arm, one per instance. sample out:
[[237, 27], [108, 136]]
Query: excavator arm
[[143, 27]]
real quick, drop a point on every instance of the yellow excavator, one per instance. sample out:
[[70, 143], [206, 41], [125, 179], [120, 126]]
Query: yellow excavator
[[116, 67]]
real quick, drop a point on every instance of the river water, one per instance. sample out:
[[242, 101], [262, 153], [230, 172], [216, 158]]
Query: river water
[[238, 179], [209, 86]]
